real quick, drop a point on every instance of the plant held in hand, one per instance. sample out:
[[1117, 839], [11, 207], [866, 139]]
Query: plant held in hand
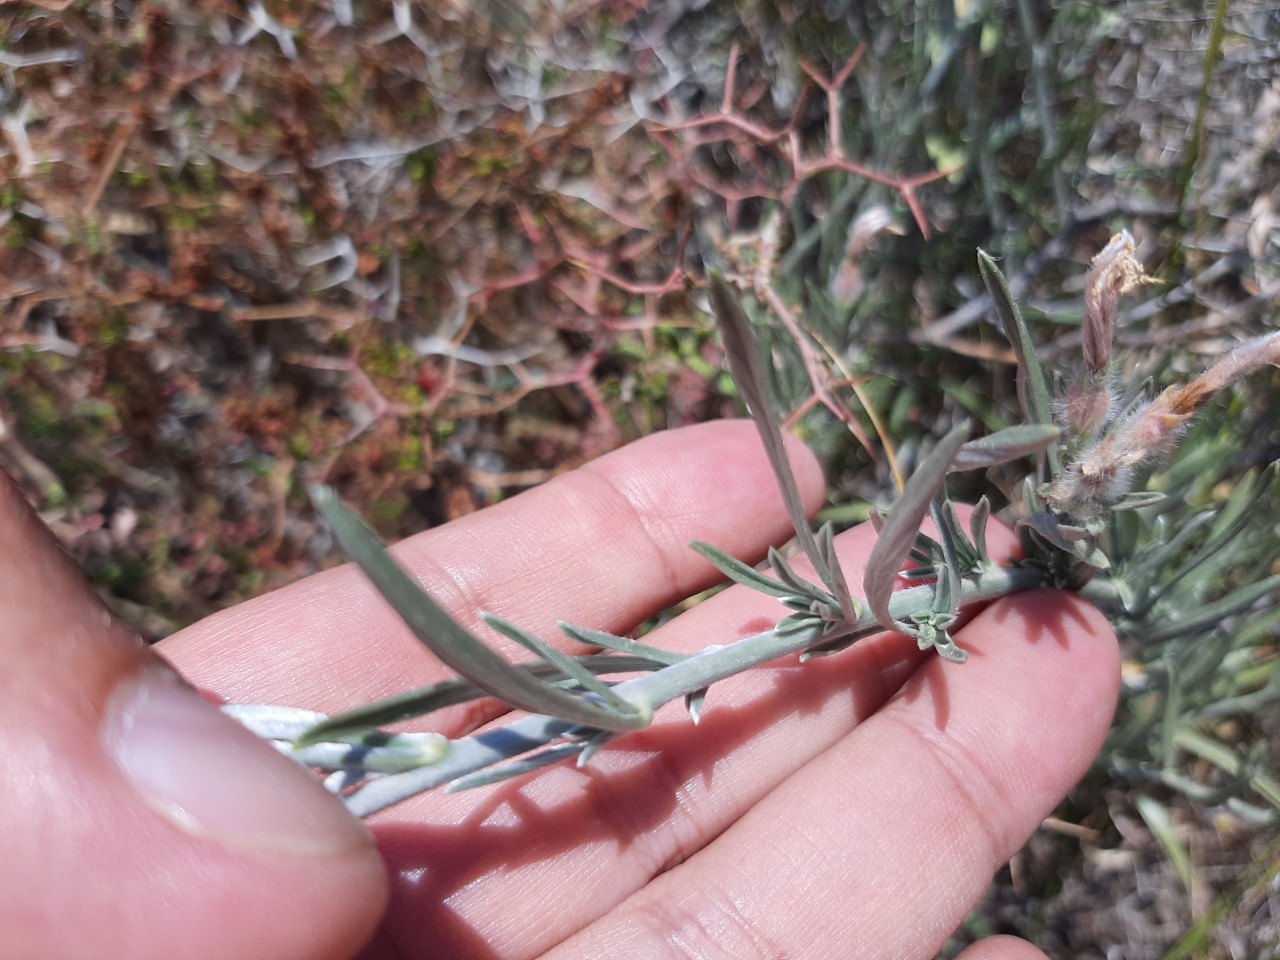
[[1088, 520]]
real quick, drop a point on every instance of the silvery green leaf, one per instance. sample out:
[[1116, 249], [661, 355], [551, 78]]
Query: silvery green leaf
[[1092, 554], [801, 623], [744, 363], [1162, 827], [1061, 535], [800, 586], [567, 664], [376, 752], [743, 573], [518, 768], [945, 590], [1137, 499], [849, 607], [1066, 537], [925, 553], [807, 605], [946, 593], [598, 638], [1033, 391], [1211, 614], [978, 528], [902, 524], [1005, 445], [448, 640], [970, 561], [930, 631], [448, 693]]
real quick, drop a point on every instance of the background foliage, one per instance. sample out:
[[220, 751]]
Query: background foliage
[[435, 253]]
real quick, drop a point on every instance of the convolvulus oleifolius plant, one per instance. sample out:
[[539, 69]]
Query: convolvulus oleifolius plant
[[1089, 519]]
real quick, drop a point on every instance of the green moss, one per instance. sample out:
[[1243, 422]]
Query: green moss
[[113, 331], [411, 458], [421, 164], [388, 510], [38, 415], [182, 221], [387, 358], [299, 446]]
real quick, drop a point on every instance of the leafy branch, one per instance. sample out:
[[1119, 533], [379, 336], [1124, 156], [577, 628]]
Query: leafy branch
[[1071, 530]]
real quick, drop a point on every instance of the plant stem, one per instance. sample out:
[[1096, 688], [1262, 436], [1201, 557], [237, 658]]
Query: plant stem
[[469, 754]]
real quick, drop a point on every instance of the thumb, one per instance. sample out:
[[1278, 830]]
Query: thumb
[[134, 811]]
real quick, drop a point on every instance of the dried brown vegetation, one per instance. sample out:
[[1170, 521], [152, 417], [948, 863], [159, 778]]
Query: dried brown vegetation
[[437, 252]]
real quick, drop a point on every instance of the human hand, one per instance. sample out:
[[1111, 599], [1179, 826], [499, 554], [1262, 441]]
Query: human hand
[[854, 806]]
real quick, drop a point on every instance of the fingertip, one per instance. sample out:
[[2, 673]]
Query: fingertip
[[1001, 948]]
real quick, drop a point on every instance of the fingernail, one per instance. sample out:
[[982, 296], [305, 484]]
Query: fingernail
[[214, 778]]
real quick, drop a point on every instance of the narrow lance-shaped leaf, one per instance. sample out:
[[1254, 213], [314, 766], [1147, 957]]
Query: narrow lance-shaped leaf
[[1138, 500], [802, 587], [517, 768], [1004, 445], [1231, 521], [743, 573], [1071, 539], [827, 547], [569, 665], [971, 559], [450, 693], [748, 374], [978, 528], [1033, 390], [448, 640], [1211, 614], [947, 591], [610, 641], [1162, 827], [898, 534]]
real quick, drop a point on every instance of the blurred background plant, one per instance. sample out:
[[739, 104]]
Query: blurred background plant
[[435, 253]]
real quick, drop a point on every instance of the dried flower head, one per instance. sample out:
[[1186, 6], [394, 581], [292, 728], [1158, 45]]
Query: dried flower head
[[1102, 472], [1086, 405], [1113, 272]]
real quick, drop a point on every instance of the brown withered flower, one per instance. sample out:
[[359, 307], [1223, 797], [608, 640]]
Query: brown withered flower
[[1113, 272], [1102, 472]]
